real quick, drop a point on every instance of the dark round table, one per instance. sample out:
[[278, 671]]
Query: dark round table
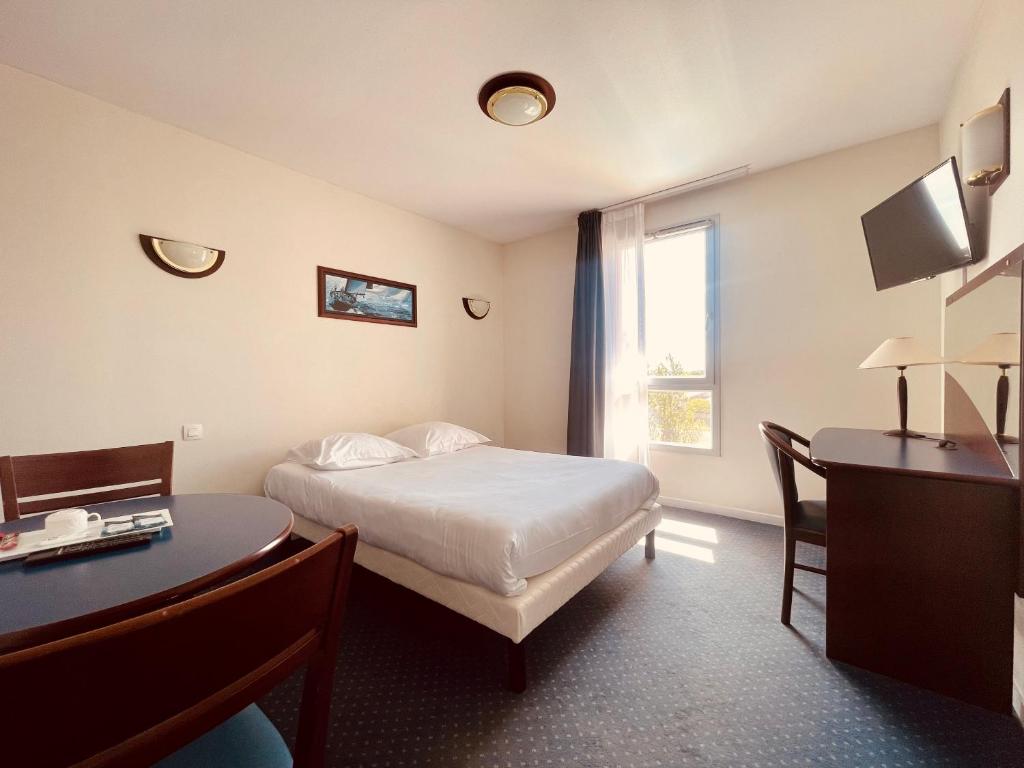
[[214, 537]]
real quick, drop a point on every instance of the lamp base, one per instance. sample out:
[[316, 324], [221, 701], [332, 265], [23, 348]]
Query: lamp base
[[902, 433], [1007, 440]]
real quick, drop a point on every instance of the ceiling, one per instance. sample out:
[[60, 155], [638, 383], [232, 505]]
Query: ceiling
[[379, 97]]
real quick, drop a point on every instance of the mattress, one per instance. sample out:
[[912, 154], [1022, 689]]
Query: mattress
[[514, 617], [488, 516]]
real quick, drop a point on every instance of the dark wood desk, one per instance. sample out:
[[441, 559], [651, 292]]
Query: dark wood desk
[[923, 547], [214, 537]]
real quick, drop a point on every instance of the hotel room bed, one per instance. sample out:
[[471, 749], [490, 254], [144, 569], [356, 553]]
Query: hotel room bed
[[503, 537]]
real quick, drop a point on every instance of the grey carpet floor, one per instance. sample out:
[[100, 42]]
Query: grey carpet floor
[[677, 662]]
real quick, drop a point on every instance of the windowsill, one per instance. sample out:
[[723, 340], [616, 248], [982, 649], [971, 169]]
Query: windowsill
[[677, 448]]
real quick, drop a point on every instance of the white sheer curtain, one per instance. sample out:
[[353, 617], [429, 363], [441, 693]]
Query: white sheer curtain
[[625, 400]]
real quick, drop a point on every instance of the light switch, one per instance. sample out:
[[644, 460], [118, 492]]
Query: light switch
[[192, 431]]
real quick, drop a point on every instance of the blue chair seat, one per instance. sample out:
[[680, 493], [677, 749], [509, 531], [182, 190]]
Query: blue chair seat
[[247, 740]]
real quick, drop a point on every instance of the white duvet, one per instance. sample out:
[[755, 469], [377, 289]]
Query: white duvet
[[489, 516]]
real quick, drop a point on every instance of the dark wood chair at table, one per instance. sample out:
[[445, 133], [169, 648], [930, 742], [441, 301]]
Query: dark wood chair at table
[[176, 687], [805, 520], [90, 473]]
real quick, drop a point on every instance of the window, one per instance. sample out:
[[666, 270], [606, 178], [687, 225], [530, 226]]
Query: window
[[681, 337]]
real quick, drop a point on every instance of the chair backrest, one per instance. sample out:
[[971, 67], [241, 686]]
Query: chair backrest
[[131, 693], [147, 467], [778, 441]]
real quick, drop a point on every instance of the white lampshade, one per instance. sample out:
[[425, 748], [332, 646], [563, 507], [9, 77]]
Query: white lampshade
[[900, 352], [983, 146], [997, 349]]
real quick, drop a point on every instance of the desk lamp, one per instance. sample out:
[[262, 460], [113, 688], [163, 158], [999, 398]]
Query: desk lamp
[[1001, 350], [900, 353]]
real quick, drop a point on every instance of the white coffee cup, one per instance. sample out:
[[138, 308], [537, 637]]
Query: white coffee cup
[[67, 522]]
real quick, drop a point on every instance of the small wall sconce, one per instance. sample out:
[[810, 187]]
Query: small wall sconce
[[986, 145], [478, 309], [182, 259]]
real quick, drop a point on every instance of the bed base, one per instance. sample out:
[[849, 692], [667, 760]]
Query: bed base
[[515, 653], [480, 605]]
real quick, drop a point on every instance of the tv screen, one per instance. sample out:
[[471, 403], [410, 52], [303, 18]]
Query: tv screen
[[921, 231]]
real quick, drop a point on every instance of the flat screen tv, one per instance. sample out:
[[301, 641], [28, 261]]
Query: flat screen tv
[[921, 231]]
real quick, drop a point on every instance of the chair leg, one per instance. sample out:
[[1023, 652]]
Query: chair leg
[[649, 552], [787, 584], [314, 713]]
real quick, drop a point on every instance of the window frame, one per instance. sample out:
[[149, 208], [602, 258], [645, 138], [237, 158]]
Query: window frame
[[711, 381]]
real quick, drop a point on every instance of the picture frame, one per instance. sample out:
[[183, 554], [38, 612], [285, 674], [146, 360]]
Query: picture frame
[[344, 295]]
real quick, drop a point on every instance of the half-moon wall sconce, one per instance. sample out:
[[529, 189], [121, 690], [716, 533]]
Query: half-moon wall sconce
[[182, 259], [986, 145], [476, 308]]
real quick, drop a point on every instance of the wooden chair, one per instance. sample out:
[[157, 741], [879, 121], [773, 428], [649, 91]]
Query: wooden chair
[[91, 471], [804, 520], [151, 688]]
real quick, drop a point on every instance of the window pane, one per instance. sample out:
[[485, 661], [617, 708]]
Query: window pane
[[682, 417], [675, 305]]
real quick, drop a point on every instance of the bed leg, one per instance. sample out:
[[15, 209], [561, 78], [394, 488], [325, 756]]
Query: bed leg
[[516, 673], [649, 546]]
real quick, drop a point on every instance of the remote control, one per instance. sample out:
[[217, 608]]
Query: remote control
[[86, 548]]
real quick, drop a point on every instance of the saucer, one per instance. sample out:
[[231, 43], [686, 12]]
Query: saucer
[[44, 541]]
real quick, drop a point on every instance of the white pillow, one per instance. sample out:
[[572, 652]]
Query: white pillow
[[349, 450], [433, 437]]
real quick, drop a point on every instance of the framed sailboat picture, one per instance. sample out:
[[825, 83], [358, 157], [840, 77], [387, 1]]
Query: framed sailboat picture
[[351, 296]]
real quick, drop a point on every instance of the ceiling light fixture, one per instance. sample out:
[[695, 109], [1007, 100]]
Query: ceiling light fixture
[[516, 98]]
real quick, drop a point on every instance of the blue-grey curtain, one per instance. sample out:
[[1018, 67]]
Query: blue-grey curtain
[[585, 432]]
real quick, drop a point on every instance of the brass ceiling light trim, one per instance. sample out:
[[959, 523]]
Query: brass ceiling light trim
[[516, 98], [513, 90]]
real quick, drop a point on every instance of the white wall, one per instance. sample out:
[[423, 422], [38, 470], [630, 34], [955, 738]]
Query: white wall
[[539, 275], [101, 348], [993, 62], [798, 314]]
